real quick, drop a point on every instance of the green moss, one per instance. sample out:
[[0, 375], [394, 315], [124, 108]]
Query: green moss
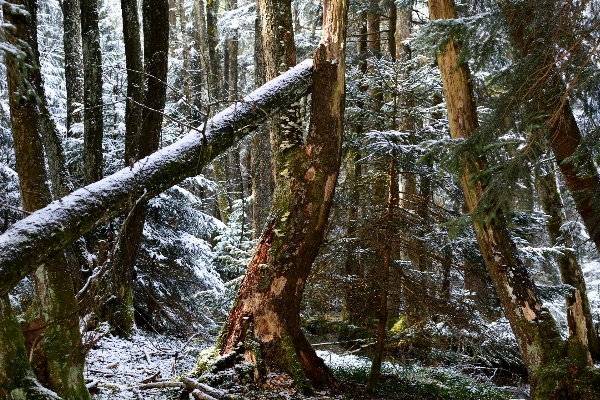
[[293, 366], [222, 333], [266, 273], [254, 347]]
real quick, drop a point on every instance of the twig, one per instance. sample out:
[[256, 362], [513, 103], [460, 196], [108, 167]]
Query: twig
[[15, 209], [152, 378], [147, 356], [160, 385]]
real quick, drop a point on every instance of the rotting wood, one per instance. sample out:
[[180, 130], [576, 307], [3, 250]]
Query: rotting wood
[[36, 238]]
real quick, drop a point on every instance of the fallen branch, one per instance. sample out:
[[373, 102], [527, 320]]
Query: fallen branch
[[201, 387], [197, 394], [35, 239]]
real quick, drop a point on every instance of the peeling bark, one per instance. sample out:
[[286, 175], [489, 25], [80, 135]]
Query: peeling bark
[[570, 270], [267, 309]]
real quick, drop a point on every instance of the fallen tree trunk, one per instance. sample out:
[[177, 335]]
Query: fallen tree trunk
[[36, 238]]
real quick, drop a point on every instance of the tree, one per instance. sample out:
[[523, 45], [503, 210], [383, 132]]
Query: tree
[[260, 150], [266, 314], [38, 237], [92, 78], [51, 330], [562, 132], [555, 368], [144, 126], [73, 65], [570, 270]]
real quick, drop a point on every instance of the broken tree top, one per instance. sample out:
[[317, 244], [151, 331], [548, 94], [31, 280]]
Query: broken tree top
[[34, 239]]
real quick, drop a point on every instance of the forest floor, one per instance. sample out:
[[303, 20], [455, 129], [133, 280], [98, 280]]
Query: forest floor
[[128, 368]]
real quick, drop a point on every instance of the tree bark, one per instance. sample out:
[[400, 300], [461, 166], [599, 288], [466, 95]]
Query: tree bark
[[555, 368], [232, 47], [34, 239], [135, 79], [570, 271], [214, 81], [201, 43], [17, 379], [266, 316], [92, 74], [52, 329], [73, 66], [260, 151], [186, 72]]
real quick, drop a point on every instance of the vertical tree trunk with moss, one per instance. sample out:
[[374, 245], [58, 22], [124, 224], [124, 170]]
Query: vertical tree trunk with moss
[[92, 78], [17, 380], [266, 314], [52, 327], [73, 66], [117, 309], [570, 271], [556, 369]]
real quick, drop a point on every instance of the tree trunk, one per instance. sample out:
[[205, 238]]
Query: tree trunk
[[73, 66], [266, 315], [201, 43], [34, 239], [186, 73], [555, 368], [573, 158], [135, 79], [17, 379], [214, 82], [117, 308], [52, 329], [569, 268], [232, 47], [384, 280], [374, 46], [92, 73], [260, 151]]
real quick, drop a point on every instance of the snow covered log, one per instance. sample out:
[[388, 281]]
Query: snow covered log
[[34, 239]]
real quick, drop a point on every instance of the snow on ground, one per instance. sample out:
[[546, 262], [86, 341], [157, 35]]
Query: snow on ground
[[120, 366]]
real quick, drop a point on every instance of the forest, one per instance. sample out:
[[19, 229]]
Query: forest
[[296, 199]]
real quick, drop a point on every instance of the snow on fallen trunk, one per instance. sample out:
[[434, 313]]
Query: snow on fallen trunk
[[36, 238]]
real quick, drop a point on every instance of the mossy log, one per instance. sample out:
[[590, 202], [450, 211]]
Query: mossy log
[[38, 237]]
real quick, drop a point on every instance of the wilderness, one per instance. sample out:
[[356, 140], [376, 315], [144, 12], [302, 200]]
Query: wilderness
[[296, 199]]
